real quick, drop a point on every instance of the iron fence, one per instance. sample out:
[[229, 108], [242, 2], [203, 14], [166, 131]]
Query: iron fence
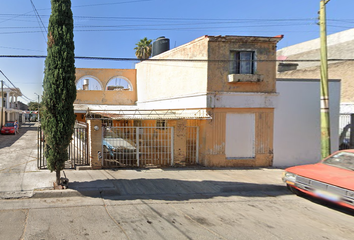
[[344, 131], [131, 146], [77, 150]]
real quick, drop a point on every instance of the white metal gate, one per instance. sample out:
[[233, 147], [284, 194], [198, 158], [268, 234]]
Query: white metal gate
[[130, 146]]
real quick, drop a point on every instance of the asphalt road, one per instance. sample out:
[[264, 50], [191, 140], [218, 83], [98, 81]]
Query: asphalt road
[[150, 207], [262, 216]]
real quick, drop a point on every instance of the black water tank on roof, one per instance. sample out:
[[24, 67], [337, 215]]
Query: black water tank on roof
[[161, 45]]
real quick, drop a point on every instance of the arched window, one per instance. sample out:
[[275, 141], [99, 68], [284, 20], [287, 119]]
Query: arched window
[[88, 83], [119, 84]]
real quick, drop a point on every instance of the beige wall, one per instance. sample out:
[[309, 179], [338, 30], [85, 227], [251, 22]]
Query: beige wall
[[95, 143], [122, 97], [218, 71], [213, 136], [166, 79]]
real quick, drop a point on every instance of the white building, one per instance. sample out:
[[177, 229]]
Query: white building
[[10, 108]]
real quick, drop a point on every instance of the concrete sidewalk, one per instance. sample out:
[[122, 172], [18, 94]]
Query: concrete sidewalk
[[169, 183], [19, 177]]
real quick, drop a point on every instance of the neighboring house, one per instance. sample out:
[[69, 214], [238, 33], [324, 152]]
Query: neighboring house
[[340, 46], [22, 106], [224, 85], [11, 108]]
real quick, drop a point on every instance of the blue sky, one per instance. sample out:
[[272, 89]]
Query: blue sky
[[110, 28]]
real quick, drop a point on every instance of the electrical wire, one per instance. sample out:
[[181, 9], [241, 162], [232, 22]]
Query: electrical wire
[[39, 21], [23, 96], [105, 4], [193, 23], [177, 60], [25, 49]]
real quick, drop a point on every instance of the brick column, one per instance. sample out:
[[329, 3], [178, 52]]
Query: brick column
[[95, 143], [180, 141]]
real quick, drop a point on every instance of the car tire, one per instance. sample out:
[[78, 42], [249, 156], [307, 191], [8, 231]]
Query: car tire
[[294, 190]]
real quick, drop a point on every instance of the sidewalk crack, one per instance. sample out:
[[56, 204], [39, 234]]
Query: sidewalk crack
[[25, 227]]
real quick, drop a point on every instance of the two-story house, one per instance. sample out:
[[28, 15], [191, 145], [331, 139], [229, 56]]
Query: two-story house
[[224, 85], [232, 79], [10, 107]]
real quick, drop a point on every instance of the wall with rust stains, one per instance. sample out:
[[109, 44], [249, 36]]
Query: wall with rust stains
[[213, 136], [169, 79], [161, 80], [218, 71], [95, 143], [107, 97]]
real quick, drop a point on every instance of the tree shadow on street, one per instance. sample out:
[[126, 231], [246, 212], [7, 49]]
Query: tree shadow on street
[[172, 189]]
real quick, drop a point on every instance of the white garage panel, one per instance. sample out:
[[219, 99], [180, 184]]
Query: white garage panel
[[240, 135]]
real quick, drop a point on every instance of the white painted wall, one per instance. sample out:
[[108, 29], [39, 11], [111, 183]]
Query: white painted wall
[[214, 100], [297, 137]]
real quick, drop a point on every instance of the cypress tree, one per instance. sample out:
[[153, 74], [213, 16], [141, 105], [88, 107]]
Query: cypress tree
[[59, 94]]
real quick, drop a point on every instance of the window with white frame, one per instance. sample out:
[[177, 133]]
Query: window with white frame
[[242, 62]]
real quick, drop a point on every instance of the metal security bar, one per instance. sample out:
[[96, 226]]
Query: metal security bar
[[192, 145], [344, 131], [41, 161], [137, 146], [77, 149], [344, 120]]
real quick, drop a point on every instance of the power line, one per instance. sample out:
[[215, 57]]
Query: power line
[[39, 21], [263, 24], [26, 49], [24, 96], [16, 15], [102, 4], [177, 60]]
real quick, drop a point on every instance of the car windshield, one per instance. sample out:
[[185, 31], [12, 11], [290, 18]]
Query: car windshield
[[342, 160], [113, 134], [118, 143], [9, 124]]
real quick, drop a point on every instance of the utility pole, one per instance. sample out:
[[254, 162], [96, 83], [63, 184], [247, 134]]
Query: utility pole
[[325, 123], [2, 102], [38, 106]]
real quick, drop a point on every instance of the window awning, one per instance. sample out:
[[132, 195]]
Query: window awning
[[149, 114]]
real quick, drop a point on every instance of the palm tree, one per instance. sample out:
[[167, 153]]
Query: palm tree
[[143, 49]]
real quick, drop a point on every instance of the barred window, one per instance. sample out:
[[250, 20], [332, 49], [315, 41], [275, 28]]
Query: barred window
[[161, 124], [242, 62]]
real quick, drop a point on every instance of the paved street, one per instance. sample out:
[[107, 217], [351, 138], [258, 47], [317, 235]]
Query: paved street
[[172, 203], [228, 217]]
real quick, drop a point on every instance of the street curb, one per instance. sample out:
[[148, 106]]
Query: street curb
[[89, 192], [16, 195]]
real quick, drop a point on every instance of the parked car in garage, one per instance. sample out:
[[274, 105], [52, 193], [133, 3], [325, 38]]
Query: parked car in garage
[[332, 179], [118, 148], [8, 128]]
